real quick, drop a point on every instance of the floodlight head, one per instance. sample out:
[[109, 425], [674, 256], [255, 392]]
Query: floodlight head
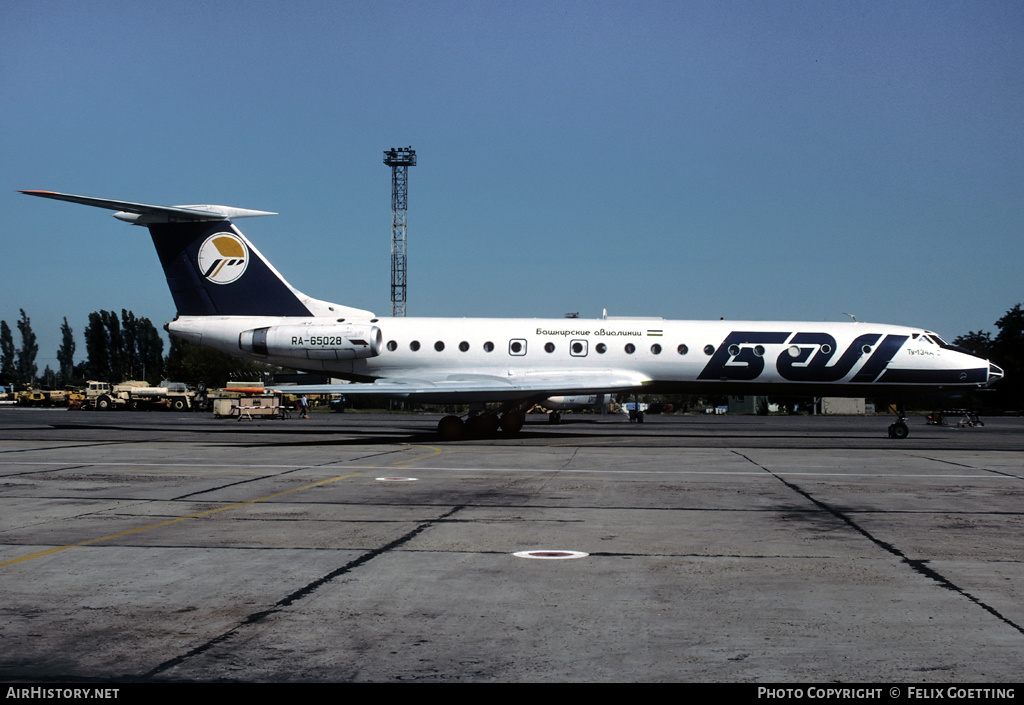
[[402, 156]]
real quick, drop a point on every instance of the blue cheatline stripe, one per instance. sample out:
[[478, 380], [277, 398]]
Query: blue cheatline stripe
[[964, 376]]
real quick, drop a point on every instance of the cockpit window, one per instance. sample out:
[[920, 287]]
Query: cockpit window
[[934, 337]]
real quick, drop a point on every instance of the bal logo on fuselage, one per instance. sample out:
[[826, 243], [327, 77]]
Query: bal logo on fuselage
[[223, 258], [807, 359]]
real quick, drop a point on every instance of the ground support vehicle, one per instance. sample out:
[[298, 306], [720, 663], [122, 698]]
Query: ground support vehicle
[[137, 395], [249, 404], [41, 397]]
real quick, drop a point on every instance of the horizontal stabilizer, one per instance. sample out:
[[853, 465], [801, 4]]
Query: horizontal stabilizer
[[146, 214]]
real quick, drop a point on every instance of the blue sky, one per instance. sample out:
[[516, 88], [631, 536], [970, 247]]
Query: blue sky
[[746, 160]]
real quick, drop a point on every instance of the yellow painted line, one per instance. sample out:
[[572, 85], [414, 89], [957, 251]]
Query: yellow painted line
[[104, 463], [168, 522], [436, 451], [598, 443], [141, 471]]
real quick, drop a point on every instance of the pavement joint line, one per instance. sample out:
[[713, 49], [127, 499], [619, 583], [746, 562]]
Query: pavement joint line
[[972, 467], [300, 594], [291, 466], [97, 444], [259, 477], [918, 565], [168, 522]]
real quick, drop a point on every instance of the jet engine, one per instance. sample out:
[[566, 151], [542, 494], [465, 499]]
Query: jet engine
[[313, 342]]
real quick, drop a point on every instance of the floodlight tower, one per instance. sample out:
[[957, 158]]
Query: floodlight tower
[[399, 160]]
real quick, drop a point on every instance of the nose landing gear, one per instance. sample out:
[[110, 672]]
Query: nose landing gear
[[898, 429]]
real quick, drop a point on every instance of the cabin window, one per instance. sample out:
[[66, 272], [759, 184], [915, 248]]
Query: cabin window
[[488, 346], [549, 347], [682, 349], [601, 348], [656, 349], [414, 345], [392, 345], [517, 346], [439, 345], [630, 348], [463, 346], [709, 349]]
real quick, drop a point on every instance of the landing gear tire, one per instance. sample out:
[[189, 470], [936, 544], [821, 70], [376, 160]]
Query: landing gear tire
[[451, 428], [512, 422], [483, 425], [898, 430]]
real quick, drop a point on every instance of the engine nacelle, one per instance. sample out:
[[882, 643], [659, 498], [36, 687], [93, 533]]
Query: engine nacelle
[[313, 342]]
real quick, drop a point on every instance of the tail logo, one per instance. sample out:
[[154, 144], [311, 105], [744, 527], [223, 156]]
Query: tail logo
[[223, 258]]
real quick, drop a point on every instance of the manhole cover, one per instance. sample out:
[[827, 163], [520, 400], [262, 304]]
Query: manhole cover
[[550, 555]]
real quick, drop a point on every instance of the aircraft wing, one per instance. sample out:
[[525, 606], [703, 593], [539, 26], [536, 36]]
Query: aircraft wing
[[456, 388]]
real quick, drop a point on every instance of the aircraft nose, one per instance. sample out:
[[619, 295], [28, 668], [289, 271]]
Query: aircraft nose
[[995, 373]]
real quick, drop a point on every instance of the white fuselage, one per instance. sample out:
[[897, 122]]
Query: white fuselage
[[847, 358]]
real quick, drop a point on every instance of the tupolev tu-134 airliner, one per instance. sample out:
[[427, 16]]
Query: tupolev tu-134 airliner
[[230, 298]]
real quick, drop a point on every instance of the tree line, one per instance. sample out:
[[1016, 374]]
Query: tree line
[[117, 348], [1005, 349]]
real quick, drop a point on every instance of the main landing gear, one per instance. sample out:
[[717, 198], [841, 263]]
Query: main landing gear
[[453, 428]]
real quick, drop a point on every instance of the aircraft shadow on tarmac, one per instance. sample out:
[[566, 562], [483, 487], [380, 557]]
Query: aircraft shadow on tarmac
[[692, 433]]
